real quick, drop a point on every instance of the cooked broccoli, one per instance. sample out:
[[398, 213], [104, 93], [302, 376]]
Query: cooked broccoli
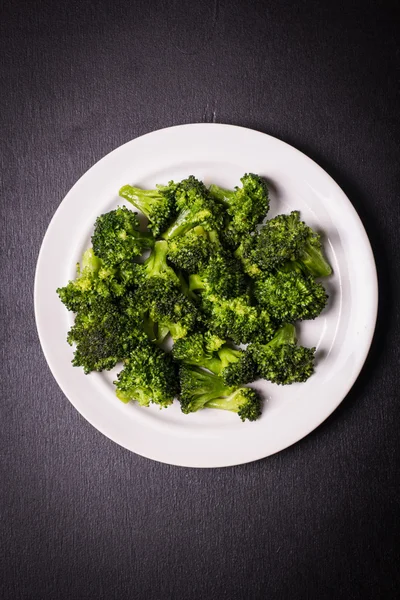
[[196, 207], [202, 389], [192, 251], [117, 239], [282, 239], [290, 296], [156, 266], [93, 280], [246, 206], [236, 319], [281, 360], [104, 335], [223, 276], [210, 352], [149, 375], [157, 205]]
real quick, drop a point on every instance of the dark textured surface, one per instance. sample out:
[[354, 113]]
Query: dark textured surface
[[81, 517]]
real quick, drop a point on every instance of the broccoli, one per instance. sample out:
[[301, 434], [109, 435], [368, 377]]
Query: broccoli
[[202, 389], [246, 206], [104, 335], [237, 319], [223, 276], [281, 360], [149, 375], [157, 205], [196, 207], [210, 352], [289, 296], [192, 251], [93, 280], [117, 239], [156, 266], [282, 239], [162, 291]]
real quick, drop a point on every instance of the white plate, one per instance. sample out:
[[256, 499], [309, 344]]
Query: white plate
[[342, 334]]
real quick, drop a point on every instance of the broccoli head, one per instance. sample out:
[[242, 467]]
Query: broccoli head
[[246, 206], [282, 239], [191, 251], [290, 296], [237, 319], [104, 335], [93, 280], [157, 205], [281, 360], [210, 352], [149, 375], [223, 276], [196, 207], [117, 238], [202, 389]]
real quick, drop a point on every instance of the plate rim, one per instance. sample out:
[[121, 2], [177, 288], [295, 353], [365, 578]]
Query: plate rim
[[373, 291]]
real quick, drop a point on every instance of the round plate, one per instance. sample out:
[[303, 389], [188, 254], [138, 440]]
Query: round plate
[[342, 334]]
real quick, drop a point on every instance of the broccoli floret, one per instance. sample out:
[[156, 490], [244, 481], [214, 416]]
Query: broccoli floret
[[282, 239], [191, 251], [149, 375], [202, 389], [117, 239], [223, 276], [281, 360], [210, 352], [290, 296], [246, 206], [244, 401], [197, 207], [156, 266], [236, 319], [174, 313], [157, 205], [93, 280], [104, 335], [161, 291]]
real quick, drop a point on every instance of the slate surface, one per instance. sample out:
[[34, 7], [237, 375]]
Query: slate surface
[[84, 519]]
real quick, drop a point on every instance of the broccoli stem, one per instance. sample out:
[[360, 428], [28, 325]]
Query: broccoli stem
[[196, 282], [227, 356], [141, 199], [90, 262], [285, 335], [180, 226], [231, 402], [156, 265], [224, 196], [315, 262]]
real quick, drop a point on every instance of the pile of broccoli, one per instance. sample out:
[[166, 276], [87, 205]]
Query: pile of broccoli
[[208, 275]]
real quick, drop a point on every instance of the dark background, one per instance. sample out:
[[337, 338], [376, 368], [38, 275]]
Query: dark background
[[85, 519]]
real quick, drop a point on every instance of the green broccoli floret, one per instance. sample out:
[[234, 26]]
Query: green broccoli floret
[[244, 401], [157, 205], [104, 335], [236, 319], [174, 313], [202, 389], [210, 352], [117, 239], [281, 360], [196, 207], [156, 266], [149, 375], [282, 239], [246, 206], [290, 296], [223, 276], [93, 280], [192, 251]]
